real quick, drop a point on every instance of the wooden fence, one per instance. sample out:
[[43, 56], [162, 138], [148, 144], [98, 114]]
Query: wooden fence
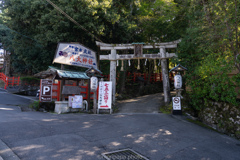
[[9, 80]]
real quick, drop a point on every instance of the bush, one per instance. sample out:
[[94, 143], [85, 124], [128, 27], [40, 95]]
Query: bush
[[28, 80], [29, 86], [47, 106], [35, 105], [43, 106]]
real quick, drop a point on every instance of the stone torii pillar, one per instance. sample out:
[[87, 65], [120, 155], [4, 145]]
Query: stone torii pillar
[[113, 65], [165, 77]]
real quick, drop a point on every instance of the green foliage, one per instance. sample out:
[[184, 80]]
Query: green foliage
[[42, 106], [47, 106], [209, 49], [32, 28], [35, 105], [166, 109], [156, 21], [30, 80]]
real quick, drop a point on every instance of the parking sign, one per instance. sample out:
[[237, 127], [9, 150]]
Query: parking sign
[[45, 90]]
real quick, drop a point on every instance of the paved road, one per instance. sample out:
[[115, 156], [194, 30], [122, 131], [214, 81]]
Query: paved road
[[46, 136], [12, 99], [143, 104]]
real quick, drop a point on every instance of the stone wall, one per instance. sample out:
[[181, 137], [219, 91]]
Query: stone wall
[[223, 117]]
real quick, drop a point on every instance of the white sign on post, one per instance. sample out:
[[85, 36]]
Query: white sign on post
[[176, 103], [105, 95], [75, 54]]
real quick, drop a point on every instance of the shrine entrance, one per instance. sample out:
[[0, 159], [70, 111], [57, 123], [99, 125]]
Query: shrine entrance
[[162, 55]]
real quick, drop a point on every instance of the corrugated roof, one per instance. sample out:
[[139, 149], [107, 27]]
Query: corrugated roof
[[62, 74], [70, 74], [138, 43]]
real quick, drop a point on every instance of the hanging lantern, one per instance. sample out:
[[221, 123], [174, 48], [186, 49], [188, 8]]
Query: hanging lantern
[[122, 66], [129, 63], [138, 67]]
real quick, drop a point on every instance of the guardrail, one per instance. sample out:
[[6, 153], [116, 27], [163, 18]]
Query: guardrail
[[9, 80]]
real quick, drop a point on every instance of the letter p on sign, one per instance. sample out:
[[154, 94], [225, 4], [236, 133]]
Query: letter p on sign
[[46, 89]]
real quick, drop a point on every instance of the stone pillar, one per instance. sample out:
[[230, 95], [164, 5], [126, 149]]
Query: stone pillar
[[165, 77], [113, 65]]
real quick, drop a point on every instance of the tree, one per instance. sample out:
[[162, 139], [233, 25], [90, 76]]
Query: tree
[[210, 50], [37, 27]]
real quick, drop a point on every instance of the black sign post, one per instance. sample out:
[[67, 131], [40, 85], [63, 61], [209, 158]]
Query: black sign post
[[45, 90]]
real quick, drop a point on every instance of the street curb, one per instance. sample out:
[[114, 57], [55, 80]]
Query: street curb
[[6, 152]]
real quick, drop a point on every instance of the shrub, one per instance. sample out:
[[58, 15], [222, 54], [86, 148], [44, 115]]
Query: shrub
[[28, 80]]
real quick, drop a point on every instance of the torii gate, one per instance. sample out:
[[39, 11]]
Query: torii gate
[[162, 55]]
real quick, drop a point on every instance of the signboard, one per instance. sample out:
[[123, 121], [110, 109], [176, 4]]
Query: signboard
[[138, 50], [70, 100], [45, 90], [75, 54], [77, 101], [176, 103], [94, 83], [105, 95]]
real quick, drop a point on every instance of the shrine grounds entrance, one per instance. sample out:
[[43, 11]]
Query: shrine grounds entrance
[[142, 104], [162, 55]]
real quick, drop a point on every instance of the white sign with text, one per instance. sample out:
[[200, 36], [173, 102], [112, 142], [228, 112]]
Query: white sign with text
[[75, 54], [105, 95], [176, 103]]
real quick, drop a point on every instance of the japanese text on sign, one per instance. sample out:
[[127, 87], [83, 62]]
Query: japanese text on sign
[[75, 54], [176, 103], [105, 95]]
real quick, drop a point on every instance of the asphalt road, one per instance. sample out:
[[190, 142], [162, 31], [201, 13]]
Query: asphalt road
[[46, 136], [12, 99]]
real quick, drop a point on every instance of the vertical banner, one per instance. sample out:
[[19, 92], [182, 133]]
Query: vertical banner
[[105, 95], [45, 90]]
